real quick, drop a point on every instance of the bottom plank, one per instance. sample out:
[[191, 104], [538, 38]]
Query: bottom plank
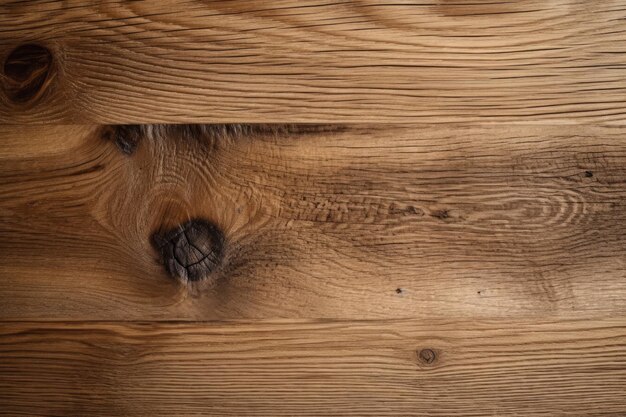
[[280, 368]]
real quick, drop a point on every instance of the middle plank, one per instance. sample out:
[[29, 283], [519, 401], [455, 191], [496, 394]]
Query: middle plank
[[309, 221]]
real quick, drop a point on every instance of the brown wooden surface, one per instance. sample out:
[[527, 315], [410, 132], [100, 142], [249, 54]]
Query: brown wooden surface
[[330, 222], [433, 61], [406, 270], [452, 242], [312, 368]]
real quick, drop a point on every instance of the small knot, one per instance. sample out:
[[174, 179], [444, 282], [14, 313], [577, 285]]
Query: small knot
[[192, 251], [441, 214], [126, 137], [27, 73], [427, 356]]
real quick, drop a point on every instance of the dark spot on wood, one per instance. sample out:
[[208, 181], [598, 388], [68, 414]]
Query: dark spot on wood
[[398, 290], [415, 210], [588, 174], [192, 251], [441, 214], [27, 73], [397, 209], [126, 137], [427, 356]]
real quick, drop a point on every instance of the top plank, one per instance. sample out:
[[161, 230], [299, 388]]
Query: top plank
[[431, 61]]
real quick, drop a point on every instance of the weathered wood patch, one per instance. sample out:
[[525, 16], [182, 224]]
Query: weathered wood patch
[[311, 221]]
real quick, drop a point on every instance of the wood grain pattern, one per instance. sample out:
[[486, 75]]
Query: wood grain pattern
[[319, 222], [309, 368], [560, 61]]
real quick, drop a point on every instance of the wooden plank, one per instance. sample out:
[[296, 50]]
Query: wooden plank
[[290, 61], [317, 221], [310, 368]]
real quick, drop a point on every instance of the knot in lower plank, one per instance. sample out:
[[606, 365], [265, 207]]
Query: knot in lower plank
[[28, 72], [427, 356], [191, 251]]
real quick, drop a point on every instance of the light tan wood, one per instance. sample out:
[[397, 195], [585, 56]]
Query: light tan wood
[[452, 242], [309, 368], [320, 222], [561, 61]]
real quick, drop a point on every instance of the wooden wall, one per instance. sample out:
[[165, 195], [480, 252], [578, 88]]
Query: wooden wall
[[430, 219]]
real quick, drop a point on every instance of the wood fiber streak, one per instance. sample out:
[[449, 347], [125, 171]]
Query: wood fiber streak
[[309, 368], [318, 222], [434, 61]]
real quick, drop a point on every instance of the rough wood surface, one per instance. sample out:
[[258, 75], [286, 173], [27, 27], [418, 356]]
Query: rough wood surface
[[318, 222], [309, 368], [561, 61]]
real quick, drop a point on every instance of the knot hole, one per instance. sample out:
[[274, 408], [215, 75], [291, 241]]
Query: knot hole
[[27, 73]]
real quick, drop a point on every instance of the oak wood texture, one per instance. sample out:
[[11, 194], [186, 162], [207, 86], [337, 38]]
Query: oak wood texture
[[319, 222], [315, 368], [560, 61]]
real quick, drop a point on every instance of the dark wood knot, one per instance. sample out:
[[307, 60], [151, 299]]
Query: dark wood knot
[[192, 251], [27, 73], [441, 214], [427, 356], [126, 137]]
